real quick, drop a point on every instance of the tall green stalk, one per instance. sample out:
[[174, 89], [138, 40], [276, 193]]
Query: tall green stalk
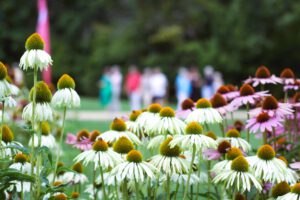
[[248, 117], [2, 122], [60, 143], [190, 172], [102, 180], [168, 187], [136, 189]]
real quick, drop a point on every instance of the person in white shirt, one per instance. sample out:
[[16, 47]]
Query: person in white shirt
[[158, 87], [116, 82]]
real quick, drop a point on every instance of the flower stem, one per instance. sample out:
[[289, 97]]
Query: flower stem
[[222, 129], [102, 179], [176, 190], [125, 193], [2, 122], [265, 137], [248, 117], [136, 189], [156, 186], [208, 176], [168, 187], [190, 172], [94, 183], [199, 171], [39, 162], [116, 188], [60, 143]]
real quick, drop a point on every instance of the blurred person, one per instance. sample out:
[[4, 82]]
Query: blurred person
[[217, 81], [105, 88], [196, 82], [158, 86], [183, 86], [132, 87], [146, 87], [116, 82], [208, 86]]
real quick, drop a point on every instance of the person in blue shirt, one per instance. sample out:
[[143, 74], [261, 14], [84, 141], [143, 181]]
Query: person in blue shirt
[[183, 86]]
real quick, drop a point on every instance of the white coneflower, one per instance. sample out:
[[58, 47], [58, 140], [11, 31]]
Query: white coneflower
[[266, 166], [294, 194], [8, 140], [291, 176], [118, 129], [193, 136], [43, 110], [9, 102], [35, 56], [59, 173], [133, 126], [123, 145], [238, 177], [134, 168], [280, 189], [5, 87], [47, 139], [169, 160], [149, 118], [167, 124], [231, 154], [66, 96], [100, 154], [181, 179], [21, 164], [76, 177], [204, 113], [234, 137]]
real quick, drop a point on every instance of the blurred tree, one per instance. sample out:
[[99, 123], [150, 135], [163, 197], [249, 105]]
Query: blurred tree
[[235, 36]]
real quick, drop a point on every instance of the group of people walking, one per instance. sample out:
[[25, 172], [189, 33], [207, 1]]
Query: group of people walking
[[152, 85]]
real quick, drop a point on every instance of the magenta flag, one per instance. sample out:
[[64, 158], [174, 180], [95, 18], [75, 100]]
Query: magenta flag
[[43, 28]]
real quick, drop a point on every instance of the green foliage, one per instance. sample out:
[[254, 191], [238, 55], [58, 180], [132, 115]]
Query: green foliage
[[235, 36]]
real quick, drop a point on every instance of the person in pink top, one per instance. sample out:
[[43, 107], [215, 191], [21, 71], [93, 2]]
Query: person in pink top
[[132, 87]]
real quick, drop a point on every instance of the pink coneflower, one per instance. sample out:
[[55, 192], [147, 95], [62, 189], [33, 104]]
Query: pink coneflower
[[229, 92], [271, 106], [81, 141], [262, 77], [219, 103], [295, 86], [215, 154], [187, 106], [287, 76], [263, 122], [247, 96], [296, 100]]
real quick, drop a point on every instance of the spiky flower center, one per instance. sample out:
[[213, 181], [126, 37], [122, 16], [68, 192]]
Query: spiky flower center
[[75, 195], [20, 158], [240, 164], [266, 152], [77, 167], [270, 103], [100, 145], [154, 108], [287, 73], [166, 150], [134, 115], [123, 145], [34, 41], [283, 159], [211, 134], [60, 197], [3, 71], [224, 146], [223, 89], [239, 196], [296, 188], [238, 124], [194, 128], [94, 134], [57, 183], [233, 153], [45, 128], [262, 72], [65, 81], [203, 103], [118, 125], [218, 101], [246, 90], [60, 164], [232, 88], [43, 93], [82, 135], [280, 189], [134, 156], [296, 97], [233, 133], [187, 104], [7, 134], [262, 117], [167, 112]]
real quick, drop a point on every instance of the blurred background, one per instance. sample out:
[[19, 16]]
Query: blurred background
[[98, 41]]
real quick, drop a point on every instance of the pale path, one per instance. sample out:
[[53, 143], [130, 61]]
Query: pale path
[[109, 115]]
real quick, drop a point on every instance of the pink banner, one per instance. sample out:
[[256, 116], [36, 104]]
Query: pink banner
[[43, 28]]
